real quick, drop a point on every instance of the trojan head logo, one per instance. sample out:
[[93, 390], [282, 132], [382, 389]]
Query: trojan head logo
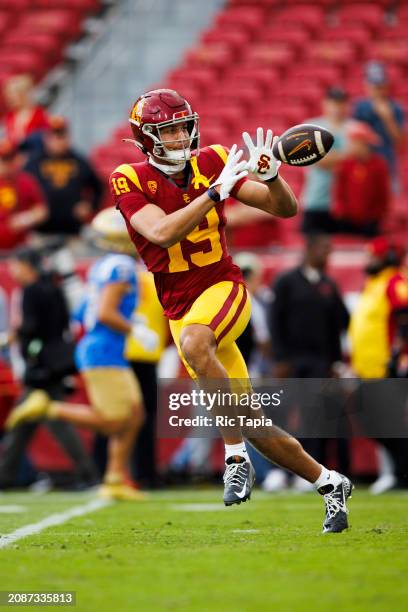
[[137, 110], [152, 185], [307, 143]]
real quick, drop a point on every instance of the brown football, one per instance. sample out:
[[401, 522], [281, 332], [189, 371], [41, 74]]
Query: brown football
[[303, 145]]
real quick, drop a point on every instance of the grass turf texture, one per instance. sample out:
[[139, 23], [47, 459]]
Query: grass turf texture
[[167, 554]]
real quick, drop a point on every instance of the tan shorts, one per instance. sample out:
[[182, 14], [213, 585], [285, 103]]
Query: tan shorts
[[113, 392]]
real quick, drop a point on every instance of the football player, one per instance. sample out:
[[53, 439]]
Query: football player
[[114, 393], [173, 204]]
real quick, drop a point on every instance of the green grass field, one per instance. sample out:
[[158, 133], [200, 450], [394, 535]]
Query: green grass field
[[182, 550]]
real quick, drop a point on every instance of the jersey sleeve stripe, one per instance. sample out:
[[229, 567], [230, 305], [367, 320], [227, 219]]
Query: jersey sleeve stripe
[[131, 174], [219, 149]]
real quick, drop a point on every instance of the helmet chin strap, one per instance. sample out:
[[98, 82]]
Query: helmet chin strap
[[167, 168]]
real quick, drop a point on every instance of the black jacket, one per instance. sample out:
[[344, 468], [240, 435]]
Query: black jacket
[[65, 181], [306, 319]]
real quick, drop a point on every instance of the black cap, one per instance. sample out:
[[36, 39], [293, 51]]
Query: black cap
[[337, 93]]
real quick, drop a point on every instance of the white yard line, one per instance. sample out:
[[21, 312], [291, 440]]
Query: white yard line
[[51, 521]]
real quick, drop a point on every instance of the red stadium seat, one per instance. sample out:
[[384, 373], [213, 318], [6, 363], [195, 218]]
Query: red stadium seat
[[393, 51], [402, 12], [15, 5], [338, 53], [215, 135], [371, 15], [200, 78], [245, 75], [312, 17], [250, 17], [229, 116], [233, 39], [65, 23], [4, 21], [243, 97], [399, 31], [296, 37], [325, 75], [278, 55], [24, 61], [81, 6], [212, 56], [309, 94], [356, 34], [47, 44], [355, 88], [400, 90]]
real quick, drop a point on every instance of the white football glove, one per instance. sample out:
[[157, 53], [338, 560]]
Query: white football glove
[[233, 171], [261, 161], [143, 334]]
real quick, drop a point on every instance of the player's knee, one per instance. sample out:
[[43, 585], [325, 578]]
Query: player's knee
[[197, 349], [111, 427]]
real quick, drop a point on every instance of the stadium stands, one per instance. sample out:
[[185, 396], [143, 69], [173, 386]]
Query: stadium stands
[[34, 33], [268, 63]]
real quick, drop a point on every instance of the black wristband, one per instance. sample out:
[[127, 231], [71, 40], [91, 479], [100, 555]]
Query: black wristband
[[272, 179], [213, 194]]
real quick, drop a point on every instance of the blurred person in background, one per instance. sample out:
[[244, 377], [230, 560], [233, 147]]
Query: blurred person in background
[[383, 114], [71, 186], [22, 203], [143, 360], [255, 342], [378, 328], [307, 318], [362, 185], [47, 350], [317, 194], [106, 314], [25, 120]]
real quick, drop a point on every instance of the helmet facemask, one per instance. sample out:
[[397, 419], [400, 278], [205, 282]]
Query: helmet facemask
[[161, 149]]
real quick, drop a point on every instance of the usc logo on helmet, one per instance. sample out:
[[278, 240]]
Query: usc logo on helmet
[[264, 164]]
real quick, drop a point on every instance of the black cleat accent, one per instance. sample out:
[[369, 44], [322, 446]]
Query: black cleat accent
[[239, 478], [336, 509]]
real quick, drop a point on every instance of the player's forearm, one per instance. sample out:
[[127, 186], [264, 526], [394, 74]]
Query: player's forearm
[[177, 225], [114, 320], [283, 202]]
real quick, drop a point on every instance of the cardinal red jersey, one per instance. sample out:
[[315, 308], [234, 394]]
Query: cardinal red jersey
[[183, 271], [18, 193]]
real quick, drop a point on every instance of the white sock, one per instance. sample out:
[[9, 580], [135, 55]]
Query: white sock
[[236, 449], [327, 477]]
